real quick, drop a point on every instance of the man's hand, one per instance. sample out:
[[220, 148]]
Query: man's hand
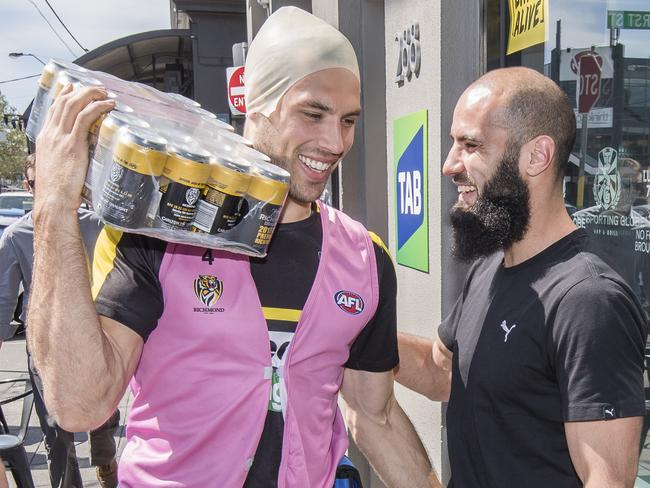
[[425, 366], [62, 148], [383, 432]]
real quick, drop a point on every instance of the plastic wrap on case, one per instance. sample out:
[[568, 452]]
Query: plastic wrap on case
[[162, 166]]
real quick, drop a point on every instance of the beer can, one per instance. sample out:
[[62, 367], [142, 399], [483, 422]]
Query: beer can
[[247, 153], [41, 102], [138, 158], [265, 197], [47, 84], [183, 179], [76, 78], [178, 99], [100, 143], [209, 125], [219, 208]]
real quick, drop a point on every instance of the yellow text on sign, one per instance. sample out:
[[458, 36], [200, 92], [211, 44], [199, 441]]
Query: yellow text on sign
[[528, 24]]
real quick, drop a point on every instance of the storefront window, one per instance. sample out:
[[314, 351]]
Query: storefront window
[[607, 183]]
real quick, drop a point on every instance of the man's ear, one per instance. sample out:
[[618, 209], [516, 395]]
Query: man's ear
[[259, 125], [538, 155], [255, 123]]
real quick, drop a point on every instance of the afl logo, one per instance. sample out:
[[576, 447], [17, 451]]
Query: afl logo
[[349, 302]]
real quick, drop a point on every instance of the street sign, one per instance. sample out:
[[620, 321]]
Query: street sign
[[236, 100], [589, 83], [628, 19]]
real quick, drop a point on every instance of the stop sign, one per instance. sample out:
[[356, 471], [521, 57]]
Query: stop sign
[[236, 98], [589, 83]]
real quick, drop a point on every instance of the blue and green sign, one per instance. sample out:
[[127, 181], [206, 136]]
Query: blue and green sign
[[411, 204]]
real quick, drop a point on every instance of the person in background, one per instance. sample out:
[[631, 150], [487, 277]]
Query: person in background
[[16, 256]]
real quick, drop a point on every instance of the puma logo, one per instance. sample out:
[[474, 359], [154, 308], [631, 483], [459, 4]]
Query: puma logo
[[507, 330], [609, 412]]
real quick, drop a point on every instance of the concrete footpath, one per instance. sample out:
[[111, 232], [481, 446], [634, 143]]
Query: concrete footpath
[[13, 364]]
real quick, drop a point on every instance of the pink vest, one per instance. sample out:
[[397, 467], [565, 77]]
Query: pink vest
[[201, 390]]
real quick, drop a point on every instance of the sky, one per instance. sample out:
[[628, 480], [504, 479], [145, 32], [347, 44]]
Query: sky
[[92, 22], [584, 24]]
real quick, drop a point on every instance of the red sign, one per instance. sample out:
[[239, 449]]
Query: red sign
[[589, 83], [236, 98]]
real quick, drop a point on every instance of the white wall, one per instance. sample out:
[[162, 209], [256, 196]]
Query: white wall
[[419, 294]]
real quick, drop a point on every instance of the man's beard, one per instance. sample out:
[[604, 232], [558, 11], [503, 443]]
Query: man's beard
[[301, 193], [499, 217]]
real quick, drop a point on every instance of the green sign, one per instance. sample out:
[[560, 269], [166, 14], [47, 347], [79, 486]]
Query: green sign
[[628, 19], [411, 189]]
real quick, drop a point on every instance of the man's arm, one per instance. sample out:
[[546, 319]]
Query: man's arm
[[383, 432], [425, 366], [85, 362], [605, 453]]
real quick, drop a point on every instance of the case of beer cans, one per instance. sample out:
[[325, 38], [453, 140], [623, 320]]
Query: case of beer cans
[[162, 166]]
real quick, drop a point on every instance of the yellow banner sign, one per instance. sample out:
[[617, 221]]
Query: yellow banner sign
[[528, 25]]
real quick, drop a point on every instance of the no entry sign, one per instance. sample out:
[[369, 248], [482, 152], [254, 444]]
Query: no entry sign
[[589, 83], [236, 99]]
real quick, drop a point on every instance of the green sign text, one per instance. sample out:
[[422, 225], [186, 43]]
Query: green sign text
[[626, 19]]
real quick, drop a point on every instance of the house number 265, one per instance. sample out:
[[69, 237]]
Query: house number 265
[[410, 53]]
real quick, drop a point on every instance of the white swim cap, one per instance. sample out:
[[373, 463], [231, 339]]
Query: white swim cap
[[290, 45]]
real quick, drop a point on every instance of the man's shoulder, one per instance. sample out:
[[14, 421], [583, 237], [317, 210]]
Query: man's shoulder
[[584, 277], [586, 263], [352, 226], [111, 240], [21, 227], [85, 215], [337, 215]]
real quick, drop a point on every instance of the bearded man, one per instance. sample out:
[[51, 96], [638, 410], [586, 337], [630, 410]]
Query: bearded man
[[541, 358]]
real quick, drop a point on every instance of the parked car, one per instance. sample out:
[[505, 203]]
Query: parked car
[[13, 205]]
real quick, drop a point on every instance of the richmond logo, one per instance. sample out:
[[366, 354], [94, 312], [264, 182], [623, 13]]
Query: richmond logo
[[116, 173], [192, 195], [208, 289], [349, 302]]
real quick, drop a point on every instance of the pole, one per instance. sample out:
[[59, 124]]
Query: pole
[[556, 53], [583, 160], [503, 35]]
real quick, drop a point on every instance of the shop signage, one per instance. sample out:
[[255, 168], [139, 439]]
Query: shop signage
[[607, 182], [528, 24], [410, 152], [236, 100], [628, 19], [589, 83], [599, 118], [410, 53]]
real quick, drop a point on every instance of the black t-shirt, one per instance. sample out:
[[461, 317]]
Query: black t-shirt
[[131, 293], [558, 338]]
